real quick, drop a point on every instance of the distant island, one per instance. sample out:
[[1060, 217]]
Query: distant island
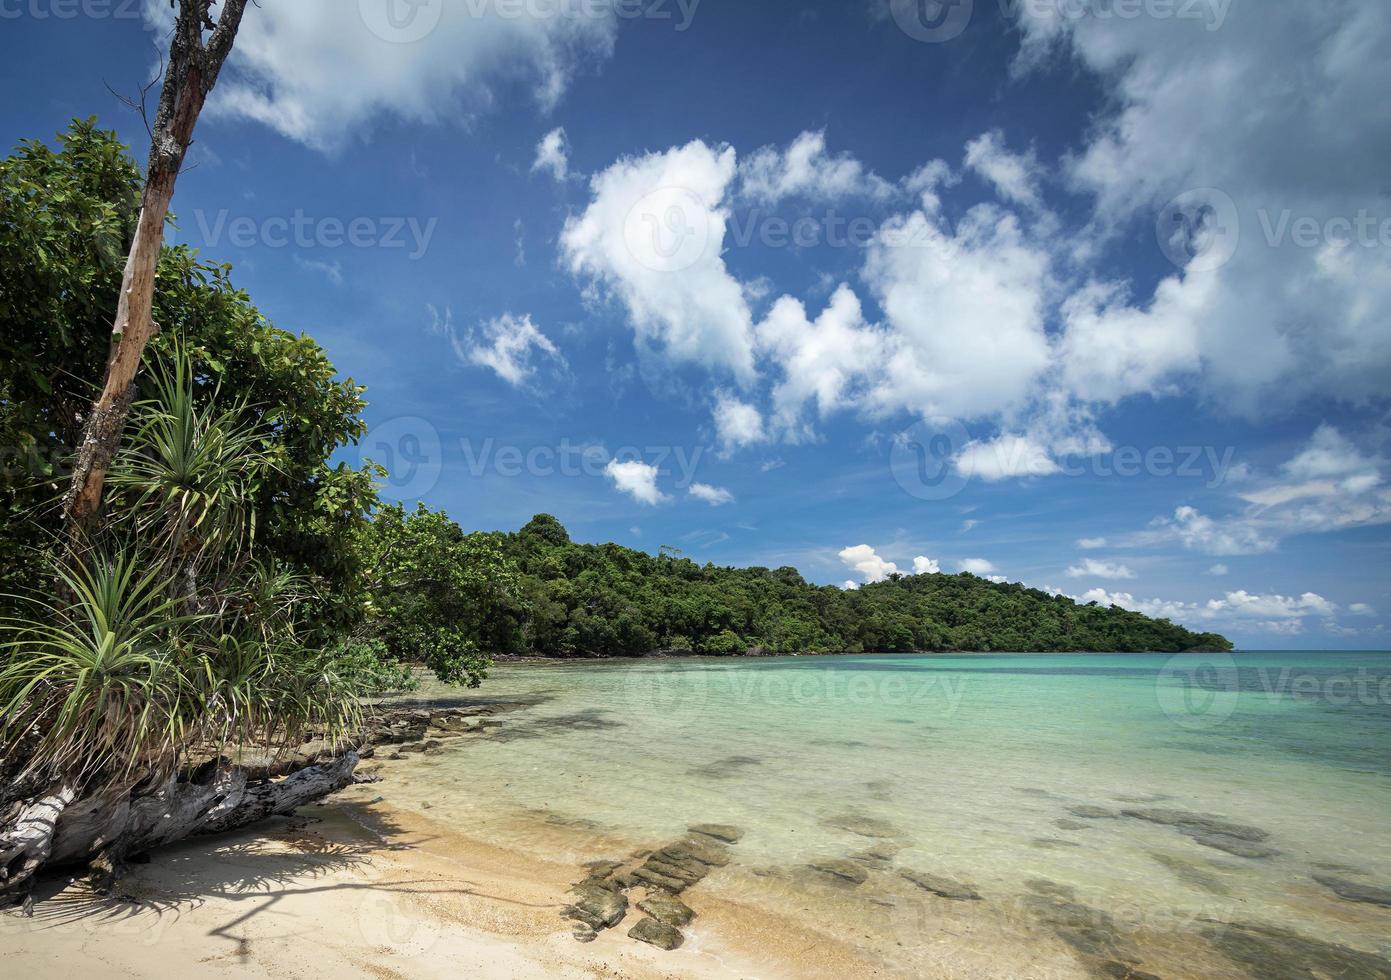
[[566, 599]]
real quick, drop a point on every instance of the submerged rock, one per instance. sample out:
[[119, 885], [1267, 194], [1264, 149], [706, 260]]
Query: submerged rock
[[844, 870], [1198, 822], [667, 909], [1355, 891], [1065, 824], [1088, 812], [1233, 845], [1053, 843], [1190, 873], [659, 934], [719, 831], [944, 887], [646, 876], [862, 825], [598, 906], [1268, 951], [702, 849]]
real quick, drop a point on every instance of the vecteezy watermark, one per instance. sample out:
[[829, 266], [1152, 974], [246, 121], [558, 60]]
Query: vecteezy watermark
[[922, 458], [410, 449], [71, 9], [1361, 230], [1199, 230], [1198, 691], [935, 459], [408, 21], [936, 21], [576, 459], [674, 691], [932, 21], [304, 231], [386, 922], [673, 228]]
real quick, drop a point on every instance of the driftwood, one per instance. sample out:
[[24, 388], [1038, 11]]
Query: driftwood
[[60, 828]]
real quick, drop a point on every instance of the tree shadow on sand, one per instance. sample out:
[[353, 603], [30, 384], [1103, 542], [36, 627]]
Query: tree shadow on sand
[[258, 870]]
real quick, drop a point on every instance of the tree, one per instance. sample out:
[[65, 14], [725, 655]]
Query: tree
[[188, 79]]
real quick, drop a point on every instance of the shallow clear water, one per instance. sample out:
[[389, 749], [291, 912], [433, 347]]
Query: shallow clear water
[[966, 764]]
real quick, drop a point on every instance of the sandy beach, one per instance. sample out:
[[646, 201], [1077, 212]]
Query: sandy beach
[[357, 888]]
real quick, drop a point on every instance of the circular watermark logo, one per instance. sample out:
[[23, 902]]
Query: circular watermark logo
[[410, 450], [932, 21], [401, 21], [922, 458], [1199, 230], [668, 230], [385, 922], [665, 690], [1198, 691]]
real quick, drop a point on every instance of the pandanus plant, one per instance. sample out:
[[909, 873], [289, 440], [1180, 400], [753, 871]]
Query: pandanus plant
[[169, 639]]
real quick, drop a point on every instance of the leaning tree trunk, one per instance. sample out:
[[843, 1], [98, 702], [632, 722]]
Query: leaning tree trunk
[[191, 74], [58, 828]]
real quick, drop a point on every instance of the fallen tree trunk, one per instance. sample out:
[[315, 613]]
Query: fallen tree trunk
[[58, 829]]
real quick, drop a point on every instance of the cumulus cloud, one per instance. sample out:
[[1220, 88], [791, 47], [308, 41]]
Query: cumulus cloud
[[922, 565], [864, 560], [1361, 609], [553, 155], [1091, 568], [805, 169], [1278, 321], [977, 566], [737, 423], [714, 496], [823, 363], [1014, 176], [324, 75], [637, 479], [652, 236], [506, 345], [1006, 457]]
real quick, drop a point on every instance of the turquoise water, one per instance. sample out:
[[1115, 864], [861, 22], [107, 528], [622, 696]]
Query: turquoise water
[[963, 766]]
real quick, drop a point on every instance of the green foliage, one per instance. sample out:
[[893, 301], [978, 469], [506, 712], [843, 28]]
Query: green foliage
[[439, 597], [66, 217], [606, 600]]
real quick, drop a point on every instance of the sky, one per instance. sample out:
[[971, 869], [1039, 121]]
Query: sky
[[1094, 295]]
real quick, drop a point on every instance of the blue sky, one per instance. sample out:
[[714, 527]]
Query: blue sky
[[1090, 295]]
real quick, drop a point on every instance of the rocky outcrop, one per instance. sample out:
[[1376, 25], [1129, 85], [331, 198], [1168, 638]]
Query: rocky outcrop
[[662, 875], [1355, 891]]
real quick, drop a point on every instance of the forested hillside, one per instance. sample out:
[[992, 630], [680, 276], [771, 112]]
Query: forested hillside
[[559, 598]]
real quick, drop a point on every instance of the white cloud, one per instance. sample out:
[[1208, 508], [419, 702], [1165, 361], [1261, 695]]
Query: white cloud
[[553, 155], [825, 362], [1329, 485], [714, 496], [652, 235], [1006, 457], [1014, 176], [325, 75], [804, 169], [505, 344], [1199, 532], [1091, 544], [637, 479], [966, 312], [1219, 570], [1245, 604], [1091, 568], [737, 423], [333, 271], [977, 566], [923, 565], [1278, 322], [1361, 609], [863, 559]]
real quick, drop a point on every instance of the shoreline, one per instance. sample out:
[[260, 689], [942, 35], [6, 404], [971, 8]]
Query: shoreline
[[363, 888]]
